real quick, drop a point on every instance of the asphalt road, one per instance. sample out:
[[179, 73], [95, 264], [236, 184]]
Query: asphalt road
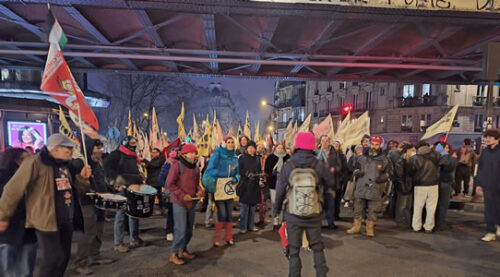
[[393, 252]]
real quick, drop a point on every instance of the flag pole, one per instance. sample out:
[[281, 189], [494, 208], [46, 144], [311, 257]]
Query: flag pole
[[83, 135]]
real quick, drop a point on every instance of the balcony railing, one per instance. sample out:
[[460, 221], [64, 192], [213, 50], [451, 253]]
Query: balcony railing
[[482, 100], [417, 101]]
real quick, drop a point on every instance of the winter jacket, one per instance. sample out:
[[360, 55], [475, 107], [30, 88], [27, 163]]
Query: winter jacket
[[181, 184], [338, 160], [271, 174], [424, 167], [223, 164], [162, 176], [153, 168], [15, 231], [402, 180], [248, 188], [488, 173], [97, 179], [120, 164], [35, 181], [372, 176], [302, 158], [468, 151], [447, 166]]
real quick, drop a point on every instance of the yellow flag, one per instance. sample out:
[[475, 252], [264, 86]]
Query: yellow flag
[[256, 136], [305, 125], [66, 130], [356, 130], [181, 133], [290, 135], [203, 144], [135, 133], [146, 151], [153, 135], [325, 128], [441, 126], [129, 126], [238, 136], [231, 132], [195, 129], [220, 134], [341, 130], [246, 129]]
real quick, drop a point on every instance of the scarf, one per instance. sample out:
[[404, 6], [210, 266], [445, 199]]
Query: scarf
[[128, 152], [279, 164], [322, 156]]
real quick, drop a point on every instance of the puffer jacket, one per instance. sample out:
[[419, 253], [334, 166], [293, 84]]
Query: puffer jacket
[[223, 164], [302, 158], [424, 167], [373, 174]]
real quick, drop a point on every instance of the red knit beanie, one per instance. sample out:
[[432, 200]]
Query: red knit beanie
[[187, 148], [376, 139]]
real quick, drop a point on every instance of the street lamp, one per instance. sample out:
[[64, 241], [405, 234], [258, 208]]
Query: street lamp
[[146, 115], [270, 128], [264, 103]]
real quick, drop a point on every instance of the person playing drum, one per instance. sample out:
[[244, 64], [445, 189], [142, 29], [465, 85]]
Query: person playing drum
[[182, 182]]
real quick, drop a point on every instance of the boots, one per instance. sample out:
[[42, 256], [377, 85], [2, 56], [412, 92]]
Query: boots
[[229, 233], [369, 228], [217, 235], [356, 227], [175, 259]]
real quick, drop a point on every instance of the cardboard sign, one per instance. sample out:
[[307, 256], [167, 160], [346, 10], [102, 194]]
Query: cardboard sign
[[225, 189]]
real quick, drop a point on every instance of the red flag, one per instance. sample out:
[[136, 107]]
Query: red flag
[[59, 83]]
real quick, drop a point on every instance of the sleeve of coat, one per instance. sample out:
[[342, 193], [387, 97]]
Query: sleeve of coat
[[14, 190], [172, 178], [281, 186], [111, 164]]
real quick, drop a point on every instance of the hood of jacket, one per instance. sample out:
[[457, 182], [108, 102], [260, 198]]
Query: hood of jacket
[[303, 157]]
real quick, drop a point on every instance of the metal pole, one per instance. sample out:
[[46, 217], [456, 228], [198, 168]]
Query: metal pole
[[83, 135], [489, 105]]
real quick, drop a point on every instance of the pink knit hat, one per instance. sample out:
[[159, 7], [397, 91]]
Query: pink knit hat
[[305, 140]]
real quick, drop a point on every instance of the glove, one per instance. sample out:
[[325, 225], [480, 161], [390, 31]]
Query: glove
[[358, 173]]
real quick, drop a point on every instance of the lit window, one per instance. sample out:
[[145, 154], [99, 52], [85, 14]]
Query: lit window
[[426, 89], [5, 74], [408, 91]]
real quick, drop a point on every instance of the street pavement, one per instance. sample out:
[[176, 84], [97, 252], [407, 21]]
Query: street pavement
[[393, 252]]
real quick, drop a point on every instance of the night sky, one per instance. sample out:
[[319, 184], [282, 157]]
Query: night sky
[[253, 90]]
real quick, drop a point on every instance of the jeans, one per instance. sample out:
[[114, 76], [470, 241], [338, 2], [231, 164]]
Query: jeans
[[119, 227], [17, 260], [170, 218], [329, 206], [443, 203], [55, 250], [295, 233], [491, 209], [361, 204], [159, 195], [425, 196], [90, 243], [183, 230], [209, 213], [262, 205], [224, 210], [247, 216]]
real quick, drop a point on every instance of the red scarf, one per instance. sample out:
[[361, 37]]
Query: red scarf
[[127, 151]]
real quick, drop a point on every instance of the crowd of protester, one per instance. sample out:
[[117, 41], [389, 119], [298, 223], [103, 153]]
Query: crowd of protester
[[47, 196]]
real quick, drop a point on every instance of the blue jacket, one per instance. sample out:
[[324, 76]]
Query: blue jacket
[[222, 162]]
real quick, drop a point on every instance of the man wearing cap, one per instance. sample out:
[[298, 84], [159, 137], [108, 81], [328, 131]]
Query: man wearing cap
[[50, 188], [303, 157], [182, 182], [372, 172]]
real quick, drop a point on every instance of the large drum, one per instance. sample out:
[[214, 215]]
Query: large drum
[[140, 200], [111, 202]]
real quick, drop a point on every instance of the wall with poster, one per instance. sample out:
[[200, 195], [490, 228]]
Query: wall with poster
[[25, 133]]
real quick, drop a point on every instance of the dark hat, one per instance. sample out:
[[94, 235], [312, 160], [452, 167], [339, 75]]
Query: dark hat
[[251, 143]]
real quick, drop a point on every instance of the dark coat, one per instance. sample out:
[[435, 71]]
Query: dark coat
[[338, 160], [120, 164], [424, 167], [447, 166], [248, 188], [271, 174], [488, 174], [153, 169], [402, 181], [373, 174], [301, 158], [15, 233], [97, 179]]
